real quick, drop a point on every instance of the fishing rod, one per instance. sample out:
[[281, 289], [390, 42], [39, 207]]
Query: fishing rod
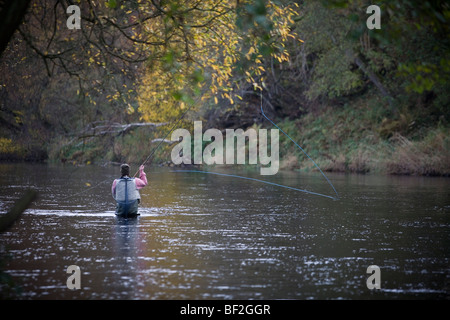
[[162, 140], [151, 153]]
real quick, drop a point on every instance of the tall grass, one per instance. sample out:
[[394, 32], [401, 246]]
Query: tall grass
[[430, 156], [359, 139]]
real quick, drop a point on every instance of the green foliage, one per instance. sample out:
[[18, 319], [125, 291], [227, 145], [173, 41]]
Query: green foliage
[[325, 33], [7, 147], [212, 49], [410, 52], [333, 76], [111, 4], [425, 76]]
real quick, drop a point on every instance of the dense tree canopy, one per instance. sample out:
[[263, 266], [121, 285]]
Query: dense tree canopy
[[213, 47]]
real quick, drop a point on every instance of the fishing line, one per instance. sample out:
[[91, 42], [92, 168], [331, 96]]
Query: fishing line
[[258, 180], [145, 161], [85, 190], [272, 183], [232, 175], [264, 115], [162, 140]]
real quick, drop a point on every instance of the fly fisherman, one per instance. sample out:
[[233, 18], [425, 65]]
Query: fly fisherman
[[126, 191]]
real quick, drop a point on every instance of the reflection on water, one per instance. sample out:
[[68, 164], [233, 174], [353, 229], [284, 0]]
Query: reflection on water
[[211, 237], [125, 251]]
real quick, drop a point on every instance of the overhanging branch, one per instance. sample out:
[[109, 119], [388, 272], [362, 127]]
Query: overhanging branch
[[93, 129]]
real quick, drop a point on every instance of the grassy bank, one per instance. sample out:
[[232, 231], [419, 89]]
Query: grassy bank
[[362, 137]]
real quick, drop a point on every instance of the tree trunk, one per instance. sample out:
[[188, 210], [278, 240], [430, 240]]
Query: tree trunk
[[353, 57], [11, 15]]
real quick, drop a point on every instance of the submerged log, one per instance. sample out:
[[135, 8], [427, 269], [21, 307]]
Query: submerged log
[[7, 220]]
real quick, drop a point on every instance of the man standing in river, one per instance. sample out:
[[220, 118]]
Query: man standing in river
[[126, 191]]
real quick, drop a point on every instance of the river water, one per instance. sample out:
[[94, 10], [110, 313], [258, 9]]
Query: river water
[[203, 236]]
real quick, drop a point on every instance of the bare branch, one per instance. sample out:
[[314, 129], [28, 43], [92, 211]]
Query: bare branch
[[114, 128], [169, 142]]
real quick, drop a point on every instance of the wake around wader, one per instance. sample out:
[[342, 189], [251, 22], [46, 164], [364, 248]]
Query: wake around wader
[[127, 198]]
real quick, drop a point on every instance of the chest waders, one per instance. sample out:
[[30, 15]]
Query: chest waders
[[127, 200]]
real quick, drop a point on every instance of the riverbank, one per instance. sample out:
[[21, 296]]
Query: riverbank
[[345, 139], [360, 139]]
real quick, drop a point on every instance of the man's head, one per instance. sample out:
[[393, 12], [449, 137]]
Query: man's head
[[125, 170]]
